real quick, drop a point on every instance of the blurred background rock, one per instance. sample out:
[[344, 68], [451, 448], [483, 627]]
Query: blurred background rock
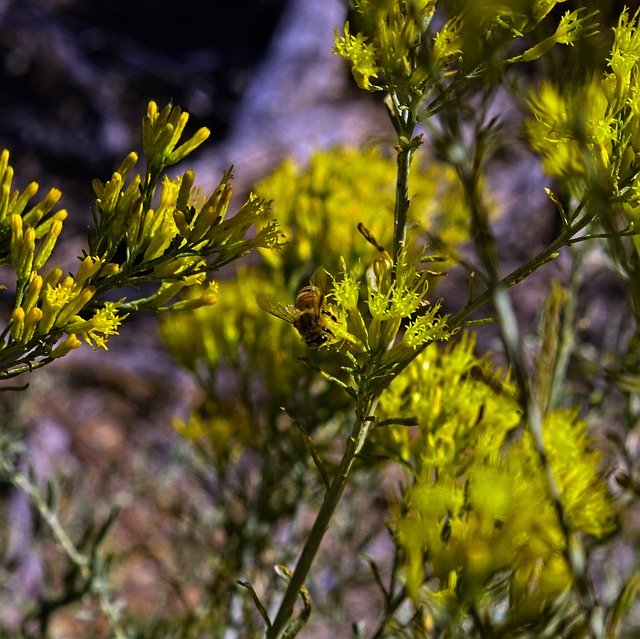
[[77, 75]]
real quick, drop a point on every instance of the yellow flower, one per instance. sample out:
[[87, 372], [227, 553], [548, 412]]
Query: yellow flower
[[95, 330]]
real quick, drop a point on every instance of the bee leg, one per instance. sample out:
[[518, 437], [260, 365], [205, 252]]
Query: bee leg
[[329, 314]]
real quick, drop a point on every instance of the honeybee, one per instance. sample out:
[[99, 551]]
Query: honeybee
[[308, 313]]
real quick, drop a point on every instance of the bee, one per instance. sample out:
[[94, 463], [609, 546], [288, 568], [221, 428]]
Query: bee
[[308, 313]]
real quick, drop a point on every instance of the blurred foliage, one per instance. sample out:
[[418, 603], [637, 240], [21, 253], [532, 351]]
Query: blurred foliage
[[476, 504], [320, 205], [587, 135]]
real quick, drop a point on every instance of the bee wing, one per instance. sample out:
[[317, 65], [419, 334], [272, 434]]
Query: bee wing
[[271, 304], [319, 279]]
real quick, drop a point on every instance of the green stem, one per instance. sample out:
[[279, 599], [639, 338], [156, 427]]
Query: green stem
[[20, 481], [404, 158], [533, 418], [355, 442], [522, 272], [404, 120], [566, 340]]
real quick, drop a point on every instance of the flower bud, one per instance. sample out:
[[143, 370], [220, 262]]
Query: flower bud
[[70, 343]]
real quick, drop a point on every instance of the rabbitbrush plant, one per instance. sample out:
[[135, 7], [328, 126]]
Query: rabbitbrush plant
[[503, 515], [150, 230]]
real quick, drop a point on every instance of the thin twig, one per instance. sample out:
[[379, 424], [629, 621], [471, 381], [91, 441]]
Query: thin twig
[[331, 499]]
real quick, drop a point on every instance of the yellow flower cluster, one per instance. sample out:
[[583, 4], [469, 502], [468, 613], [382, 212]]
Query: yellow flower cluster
[[396, 50], [148, 229], [53, 305], [588, 133], [161, 132], [477, 506], [395, 300], [318, 207], [383, 55]]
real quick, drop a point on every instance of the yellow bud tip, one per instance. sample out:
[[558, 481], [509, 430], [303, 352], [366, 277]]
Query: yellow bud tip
[[53, 196], [31, 190], [72, 342], [15, 222], [30, 235], [35, 315], [208, 299]]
